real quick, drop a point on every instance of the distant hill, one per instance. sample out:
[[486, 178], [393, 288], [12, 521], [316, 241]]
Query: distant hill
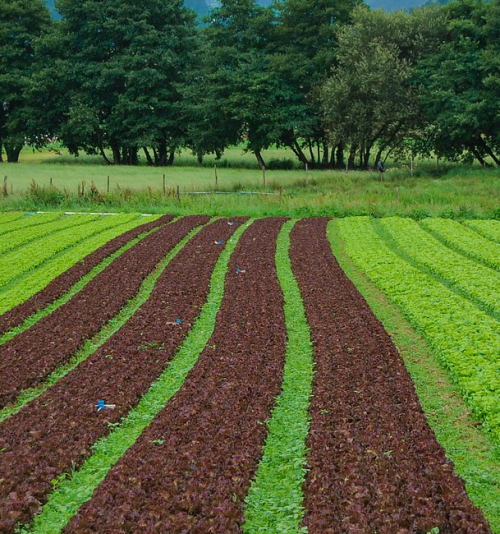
[[202, 6]]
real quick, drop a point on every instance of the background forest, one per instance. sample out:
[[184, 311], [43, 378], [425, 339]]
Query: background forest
[[336, 82]]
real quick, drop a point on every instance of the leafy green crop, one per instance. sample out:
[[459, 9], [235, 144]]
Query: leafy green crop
[[274, 501], [473, 280], [89, 238], [465, 240], [465, 338]]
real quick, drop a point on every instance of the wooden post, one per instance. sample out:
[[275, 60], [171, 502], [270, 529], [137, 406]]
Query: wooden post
[[264, 175], [51, 182], [164, 185], [178, 193], [5, 191], [396, 190], [216, 178], [307, 174], [411, 167], [107, 185]]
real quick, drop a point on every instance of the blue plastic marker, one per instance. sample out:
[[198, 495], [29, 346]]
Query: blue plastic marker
[[218, 242], [178, 321], [231, 223], [101, 405]]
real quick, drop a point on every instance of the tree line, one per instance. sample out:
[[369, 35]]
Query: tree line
[[337, 83]]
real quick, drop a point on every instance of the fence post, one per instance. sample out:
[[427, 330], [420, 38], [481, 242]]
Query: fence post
[[264, 174], [216, 178], [51, 182], [5, 192], [107, 185], [307, 174], [164, 185], [396, 190], [178, 193]]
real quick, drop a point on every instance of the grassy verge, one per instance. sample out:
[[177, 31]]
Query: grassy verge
[[455, 191], [274, 501], [91, 345], [476, 460], [72, 492]]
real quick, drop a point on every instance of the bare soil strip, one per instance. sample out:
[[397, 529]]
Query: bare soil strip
[[29, 357], [65, 281], [54, 434], [191, 468], [374, 463]]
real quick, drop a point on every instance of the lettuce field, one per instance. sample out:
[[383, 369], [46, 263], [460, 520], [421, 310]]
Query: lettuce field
[[224, 375]]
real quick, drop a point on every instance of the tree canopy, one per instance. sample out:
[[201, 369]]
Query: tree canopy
[[334, 80]]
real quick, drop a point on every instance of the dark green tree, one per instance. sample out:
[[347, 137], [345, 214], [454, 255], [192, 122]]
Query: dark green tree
[[370, 99], [21, 23], [118, 65], [461, 84], [233, 90], [304, 54]]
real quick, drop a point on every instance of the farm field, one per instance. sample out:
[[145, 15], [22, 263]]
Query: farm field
[[197, 374]]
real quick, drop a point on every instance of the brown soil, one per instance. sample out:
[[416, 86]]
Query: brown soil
[[32, 355], [191, 469], [54, 433], [374, 463], [66, 280]]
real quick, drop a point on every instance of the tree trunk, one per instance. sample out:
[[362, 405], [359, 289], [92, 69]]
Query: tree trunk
[[260, 159], [295, 147], [339, 160], [478, 156], [352, 156], [148, 157], [116, 154], [13, 152], [171, 157]]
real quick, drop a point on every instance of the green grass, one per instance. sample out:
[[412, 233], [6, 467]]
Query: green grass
[[71, 492], [274, 501], [475, 458], [455, 191]]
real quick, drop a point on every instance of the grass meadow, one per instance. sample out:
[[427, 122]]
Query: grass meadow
[[51, 179]]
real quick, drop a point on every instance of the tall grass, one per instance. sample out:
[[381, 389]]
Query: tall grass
[[63, 182]]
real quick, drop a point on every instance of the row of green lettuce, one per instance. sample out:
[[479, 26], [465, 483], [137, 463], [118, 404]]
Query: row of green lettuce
[[475, 281], [27, 269], [465, 338]]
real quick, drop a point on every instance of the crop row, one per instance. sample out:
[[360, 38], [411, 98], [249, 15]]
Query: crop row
[[91, 253], [34, 281], [16, 221], [489, 229], [63, 422], [465, 240], [474, 280], [465, 338], [32, 355], [218, 442], [21, 260], [24, 236]]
